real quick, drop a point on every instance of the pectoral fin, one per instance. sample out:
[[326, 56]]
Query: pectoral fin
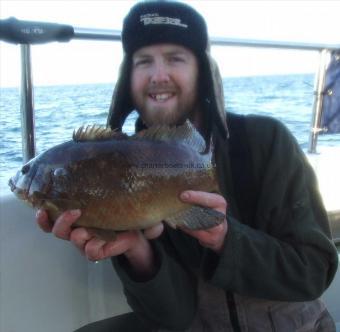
[[196, 218]]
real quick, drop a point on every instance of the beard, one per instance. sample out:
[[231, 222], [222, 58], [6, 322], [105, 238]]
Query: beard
[[171, 112], [164, 117]]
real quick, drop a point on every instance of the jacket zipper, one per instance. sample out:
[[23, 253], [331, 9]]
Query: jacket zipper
[[233, 312], [271, 321]]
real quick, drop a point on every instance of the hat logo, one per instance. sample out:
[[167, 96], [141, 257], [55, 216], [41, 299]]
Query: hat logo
[[161, 20]]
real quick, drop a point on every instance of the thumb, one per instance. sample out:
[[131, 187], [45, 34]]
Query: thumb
[[154, 231]]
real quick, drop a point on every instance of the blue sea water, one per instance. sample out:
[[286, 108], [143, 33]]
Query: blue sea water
[[61, 109]]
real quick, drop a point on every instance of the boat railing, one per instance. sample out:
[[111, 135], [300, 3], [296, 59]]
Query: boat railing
[[27, 33]]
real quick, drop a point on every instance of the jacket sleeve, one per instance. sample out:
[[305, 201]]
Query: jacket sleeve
[[287, 253], [168, 300]]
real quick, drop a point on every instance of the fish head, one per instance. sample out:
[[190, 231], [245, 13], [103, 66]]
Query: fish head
[[33, 183]]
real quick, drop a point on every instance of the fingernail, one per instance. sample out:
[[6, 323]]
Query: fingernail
[[38, 214], [185, 196], [75, 213]]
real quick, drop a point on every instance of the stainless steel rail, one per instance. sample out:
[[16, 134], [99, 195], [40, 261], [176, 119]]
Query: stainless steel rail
[[318, 100], [115, 35], [96, 34], [27, 105], [273, 44]]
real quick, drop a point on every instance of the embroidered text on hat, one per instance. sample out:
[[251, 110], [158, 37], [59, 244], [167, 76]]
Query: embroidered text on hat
[[156, 19]]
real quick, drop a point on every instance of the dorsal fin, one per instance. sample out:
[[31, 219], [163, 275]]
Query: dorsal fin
[[185, 133], [96, 133]]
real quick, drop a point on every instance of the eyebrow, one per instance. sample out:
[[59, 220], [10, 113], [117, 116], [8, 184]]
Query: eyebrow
[[171, 53], [176, 53]]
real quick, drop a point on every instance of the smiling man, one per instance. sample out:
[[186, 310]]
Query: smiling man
[[164, 84], [266, 265]]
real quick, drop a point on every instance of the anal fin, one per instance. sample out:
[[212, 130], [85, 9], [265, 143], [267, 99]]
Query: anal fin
[[196, 218]]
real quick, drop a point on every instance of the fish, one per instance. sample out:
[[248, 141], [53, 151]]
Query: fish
[[123, 182]]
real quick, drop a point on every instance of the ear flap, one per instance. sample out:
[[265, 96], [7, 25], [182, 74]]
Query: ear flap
[[121, 103], [214, 107]]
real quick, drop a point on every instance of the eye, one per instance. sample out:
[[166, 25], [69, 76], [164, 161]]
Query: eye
[[142, 62], [60, 172], [176, 58], [25, 169]]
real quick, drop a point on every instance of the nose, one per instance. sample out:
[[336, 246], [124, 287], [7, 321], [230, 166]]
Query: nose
[[160, 73]]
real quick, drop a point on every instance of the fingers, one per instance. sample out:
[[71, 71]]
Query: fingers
[[62, 227], [43, 222], [79, 237], [96, 249], [130, 241], [210, 200], [88, 243], [123, 242], [154, 231]]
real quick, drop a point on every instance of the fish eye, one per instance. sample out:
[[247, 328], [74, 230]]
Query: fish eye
[[25, 169], [59, 172]]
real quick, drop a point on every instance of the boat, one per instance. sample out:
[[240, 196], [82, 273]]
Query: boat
[[45, 284]]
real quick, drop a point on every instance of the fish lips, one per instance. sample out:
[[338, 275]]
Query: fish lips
[[35, 200], [20, 185]]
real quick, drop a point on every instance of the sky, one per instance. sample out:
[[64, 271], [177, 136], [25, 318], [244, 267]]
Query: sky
[[78, 62]]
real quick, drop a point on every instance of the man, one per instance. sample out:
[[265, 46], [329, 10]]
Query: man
[[266, 265]]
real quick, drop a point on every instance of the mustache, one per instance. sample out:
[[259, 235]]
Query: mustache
[[161, 88]]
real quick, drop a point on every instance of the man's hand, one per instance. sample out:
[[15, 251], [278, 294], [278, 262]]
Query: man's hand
[[133, 244], [212, 238]]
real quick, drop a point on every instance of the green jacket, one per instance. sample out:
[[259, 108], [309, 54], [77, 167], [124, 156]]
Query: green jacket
[[274, 264]]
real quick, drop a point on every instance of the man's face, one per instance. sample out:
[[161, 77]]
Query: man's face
[[164, 83]]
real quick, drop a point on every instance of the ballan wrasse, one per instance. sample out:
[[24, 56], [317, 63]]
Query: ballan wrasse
[[122, 182]]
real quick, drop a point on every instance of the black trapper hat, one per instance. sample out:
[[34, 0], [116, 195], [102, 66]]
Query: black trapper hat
[[155, 22]]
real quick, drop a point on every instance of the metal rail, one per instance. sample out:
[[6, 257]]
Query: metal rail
[[318, 100], [273, 44], [27, 105], [17, 31], [115, 35], [96, 34]]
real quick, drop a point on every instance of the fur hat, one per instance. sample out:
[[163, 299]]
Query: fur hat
[[154, 22]]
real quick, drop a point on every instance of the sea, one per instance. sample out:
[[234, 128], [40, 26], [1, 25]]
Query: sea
[[61, 109]]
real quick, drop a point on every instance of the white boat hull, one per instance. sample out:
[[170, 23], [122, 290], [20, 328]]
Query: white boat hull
[[46, 285]]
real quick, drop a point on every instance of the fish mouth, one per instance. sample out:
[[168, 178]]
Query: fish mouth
[[35, 200], [19, 192], [20, 186], [12, 185]]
